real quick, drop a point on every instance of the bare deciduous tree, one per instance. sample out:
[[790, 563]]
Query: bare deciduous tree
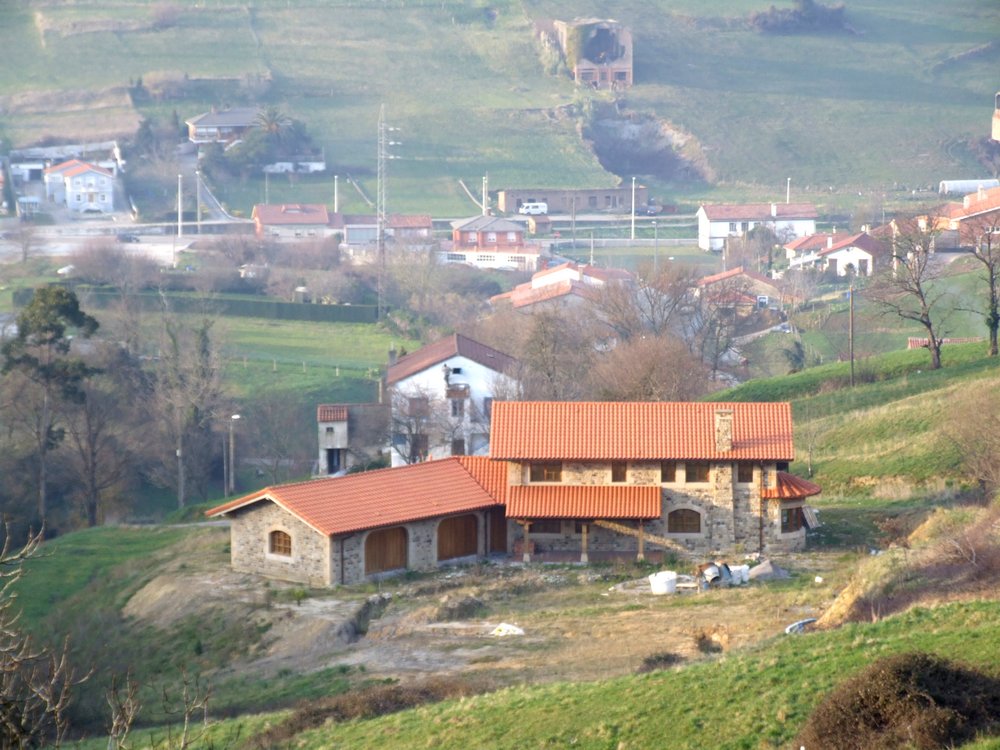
[[983, 235], [908, 289], [649, 368]]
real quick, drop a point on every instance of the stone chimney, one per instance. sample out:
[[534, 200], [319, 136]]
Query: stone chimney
[[829, 241], [774, 210], [393, 356], [723, 430]]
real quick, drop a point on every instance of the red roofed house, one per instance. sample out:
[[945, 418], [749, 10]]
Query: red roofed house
[[700, 478], [562, 285], [564, 478], [787, 220], [742, 290], [977, 214], [80, 186], [441, 398], [490, 242], [294, 220], [342, 530]]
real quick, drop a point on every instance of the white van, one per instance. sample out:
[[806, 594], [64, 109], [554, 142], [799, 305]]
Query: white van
[[533, 209]]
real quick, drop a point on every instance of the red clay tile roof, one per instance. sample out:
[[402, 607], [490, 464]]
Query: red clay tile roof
[[607, 431], [524, 294], [331, 413], [74, 167], [862, 240], [387, 497], [759, 211], [291, 214], [575, 501], [407, 221], [733, 273], [491, 475], [442, 349], [790, 487]]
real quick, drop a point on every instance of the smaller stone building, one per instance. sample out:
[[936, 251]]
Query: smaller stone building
[[342, 530]]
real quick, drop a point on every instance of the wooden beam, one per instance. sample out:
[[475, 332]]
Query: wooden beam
[[642, 546], [584, 556]]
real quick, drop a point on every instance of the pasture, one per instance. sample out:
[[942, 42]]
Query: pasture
[[862, 116]]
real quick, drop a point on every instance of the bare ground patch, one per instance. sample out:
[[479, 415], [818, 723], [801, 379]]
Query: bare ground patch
[[69, 116]]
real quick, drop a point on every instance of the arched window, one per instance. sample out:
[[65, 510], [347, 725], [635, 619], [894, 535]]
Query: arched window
[[684, 521], [280, 543]]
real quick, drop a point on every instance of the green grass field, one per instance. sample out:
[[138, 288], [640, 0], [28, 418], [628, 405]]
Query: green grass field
[[878, 111]]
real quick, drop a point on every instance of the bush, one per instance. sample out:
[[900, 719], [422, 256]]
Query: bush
[[663, 660], [909, 700]]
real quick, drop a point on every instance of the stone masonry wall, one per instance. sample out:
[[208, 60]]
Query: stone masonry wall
[[310, 561]]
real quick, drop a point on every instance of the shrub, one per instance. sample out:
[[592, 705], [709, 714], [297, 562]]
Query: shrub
[[908, 700], [663, 660]]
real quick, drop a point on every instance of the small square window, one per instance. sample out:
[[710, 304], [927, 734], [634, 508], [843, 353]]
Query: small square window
[[545, 526], [668, 472], [744, 473], [792, 519], [548, 472], [458, 408], [696, 471], [619, 471]]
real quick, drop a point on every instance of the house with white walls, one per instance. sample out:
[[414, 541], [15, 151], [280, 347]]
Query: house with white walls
[[716, 223], [441, 398], [80, 186]]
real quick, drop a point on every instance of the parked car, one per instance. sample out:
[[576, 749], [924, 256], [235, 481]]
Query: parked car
[[127, 238], [533, 209]]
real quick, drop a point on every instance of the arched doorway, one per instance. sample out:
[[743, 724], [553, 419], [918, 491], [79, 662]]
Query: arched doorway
[[385, 549], [458, 537]]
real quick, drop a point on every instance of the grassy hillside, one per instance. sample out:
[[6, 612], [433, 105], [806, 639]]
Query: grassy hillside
[[888, 105]]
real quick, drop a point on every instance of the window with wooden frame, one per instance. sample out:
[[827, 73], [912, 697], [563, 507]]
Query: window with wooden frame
[[279, 543], [619, 471], [696, 471], [545, 526], [684, 521], [792, 519], [668, 472], [546, 472], [744, 473]]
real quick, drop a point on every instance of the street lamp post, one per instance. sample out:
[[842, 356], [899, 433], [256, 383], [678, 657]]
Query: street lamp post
[[231, 479]]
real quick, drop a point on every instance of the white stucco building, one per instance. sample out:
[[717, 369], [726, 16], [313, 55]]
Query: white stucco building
[[719, 222], [80, 186], [441, 398]]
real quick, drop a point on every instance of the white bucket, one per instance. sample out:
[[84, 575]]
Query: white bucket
[[664, 582]]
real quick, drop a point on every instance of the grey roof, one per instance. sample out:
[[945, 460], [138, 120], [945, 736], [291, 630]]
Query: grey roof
[[227, 118], [487, 223]]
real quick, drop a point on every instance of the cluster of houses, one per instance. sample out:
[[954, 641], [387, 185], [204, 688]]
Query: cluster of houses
[[474, 475]]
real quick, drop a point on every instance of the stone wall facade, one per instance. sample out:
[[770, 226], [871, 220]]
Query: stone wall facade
[[310, 562], [730, 511]]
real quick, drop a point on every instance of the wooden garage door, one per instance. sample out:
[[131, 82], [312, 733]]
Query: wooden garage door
[[385, 549], [458, 537]]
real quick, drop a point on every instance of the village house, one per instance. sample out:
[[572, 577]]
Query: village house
[[350, 436], [224, 126], [441, 398], [565, 285], [361, 230], [573, 200], [80, 186], [700, 478], [743, 290], [565, 481], [968, 221], [597, 51], [344, 530], [294, 220], [716, 223], [844, 254], [490, 242]]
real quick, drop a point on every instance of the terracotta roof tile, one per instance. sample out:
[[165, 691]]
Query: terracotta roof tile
[[790, 487], [442, 349], [862, 240], [603, 431], [759, 211], [331, 413], [733, 273], [75, 167], [271, 214], [409, 221], [342, 505], [569, 501]]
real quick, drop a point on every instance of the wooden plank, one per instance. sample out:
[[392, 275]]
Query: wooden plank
[[458, 537], [385, 549]]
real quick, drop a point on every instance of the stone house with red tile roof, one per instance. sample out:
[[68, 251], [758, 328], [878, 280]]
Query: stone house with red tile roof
[[294, 220], [716, 223], [343, 530], [744, 290], [564, 481], [350, 436], [562, 285], [697, 478]]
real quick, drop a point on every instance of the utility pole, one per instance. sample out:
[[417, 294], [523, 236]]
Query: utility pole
[[336, 194], [232, 456], [656, 250], [633, 209], [850, 331], [486, 194], [197, 188], [788, 190], [180, 206], [380, 209]]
